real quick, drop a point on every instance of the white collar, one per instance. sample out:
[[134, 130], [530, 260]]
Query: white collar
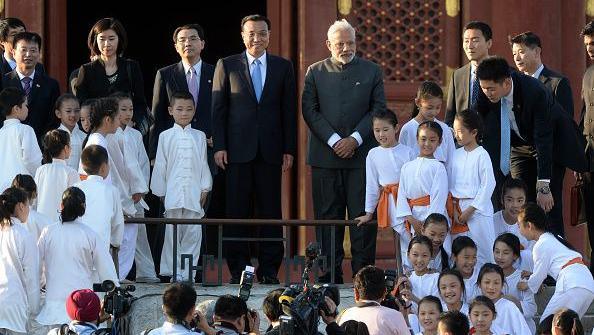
[[21, 76], [94, 177], [510, 96], [178, 127], [538, 71], [58, 161], [197, 67], [64, 128], [251, 58], [11, 121]]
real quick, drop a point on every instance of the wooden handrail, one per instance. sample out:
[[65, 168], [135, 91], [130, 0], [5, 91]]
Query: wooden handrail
[[246, 222]]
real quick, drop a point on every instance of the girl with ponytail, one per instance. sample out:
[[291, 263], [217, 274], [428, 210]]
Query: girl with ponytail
[[54, 176], [35, 221], [72, 257], [554, 256], [19, 267]]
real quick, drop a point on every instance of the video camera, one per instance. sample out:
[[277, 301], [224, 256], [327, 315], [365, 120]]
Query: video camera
[[117, 300], [301, 304]]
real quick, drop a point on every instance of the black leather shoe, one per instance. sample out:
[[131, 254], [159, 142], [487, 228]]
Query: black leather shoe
[[234, 280], [265, 280]]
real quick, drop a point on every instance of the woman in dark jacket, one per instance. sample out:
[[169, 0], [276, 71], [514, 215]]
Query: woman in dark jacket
[[109, 71]]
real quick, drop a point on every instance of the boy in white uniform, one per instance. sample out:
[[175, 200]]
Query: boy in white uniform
[[181, 176], [68, 111]]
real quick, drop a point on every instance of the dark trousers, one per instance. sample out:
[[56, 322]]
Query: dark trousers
[[523, 166], [556, 214], [253, 189], [589, 195], [337, 192]]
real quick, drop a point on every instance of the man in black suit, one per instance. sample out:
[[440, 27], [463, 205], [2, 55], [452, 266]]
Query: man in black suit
[[519, 138], [254, 132], [464, 89], [339, 96], [10, 26], [41, 90], [567, 144]]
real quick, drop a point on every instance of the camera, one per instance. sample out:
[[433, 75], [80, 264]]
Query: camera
[[117, 300], [246, 283], [301, 304]]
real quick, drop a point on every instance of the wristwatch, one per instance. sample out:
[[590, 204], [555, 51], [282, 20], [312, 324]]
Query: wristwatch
[[544, 189]]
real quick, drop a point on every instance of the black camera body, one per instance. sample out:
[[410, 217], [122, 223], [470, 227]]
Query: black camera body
[[117, 300], [246, 283]]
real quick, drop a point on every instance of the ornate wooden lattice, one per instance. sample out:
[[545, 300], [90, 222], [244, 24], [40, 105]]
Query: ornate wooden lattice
[[404, 36]]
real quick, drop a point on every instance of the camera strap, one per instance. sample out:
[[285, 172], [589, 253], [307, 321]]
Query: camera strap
[[367, 303]]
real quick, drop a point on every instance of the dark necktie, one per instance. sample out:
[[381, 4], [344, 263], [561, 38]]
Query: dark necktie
[[475, 91], [27, 85]]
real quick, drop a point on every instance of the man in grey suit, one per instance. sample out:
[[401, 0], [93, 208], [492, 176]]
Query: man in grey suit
[[339, 95], [464, 89]]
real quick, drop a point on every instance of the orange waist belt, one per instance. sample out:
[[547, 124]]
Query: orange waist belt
[[422, 201], [383, 212], [577, 260], [83, 176], [454, 212]]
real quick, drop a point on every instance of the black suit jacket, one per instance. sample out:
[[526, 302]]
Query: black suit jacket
[[559, 87], [242, 125], [169, 80], [5, 67], [41, 101], [532, 110]]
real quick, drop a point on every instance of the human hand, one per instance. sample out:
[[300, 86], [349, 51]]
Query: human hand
[[345, 147], [525, 274], [209, 142], [522, 286], [220, 158], [203, 196], [545, 201], [329, 318], [287, 162], [363, 219], [416, 224], [136, 197], [253, 319], [465, 215]]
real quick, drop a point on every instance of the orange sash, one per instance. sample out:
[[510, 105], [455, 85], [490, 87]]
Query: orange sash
[[83, 176], [454, 212], [422, 201], [577, 260], [383, 213]]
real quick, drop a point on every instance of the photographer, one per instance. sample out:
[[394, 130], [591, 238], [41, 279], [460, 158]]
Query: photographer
[[370, 290], [272, 309], [179, 307], [83, 308], [231, 315]]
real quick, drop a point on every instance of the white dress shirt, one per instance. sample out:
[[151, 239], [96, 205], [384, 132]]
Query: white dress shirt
[[77, 138], [19, 151], [262, 59]]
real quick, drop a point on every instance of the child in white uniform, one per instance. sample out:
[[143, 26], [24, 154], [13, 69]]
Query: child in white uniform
[[464, 256], [482, 313], [472, 182], [509, 317], [436, 229], [181, 176], [19, 296], [68, 111], [35, 221], [555, 257], [506, 251], [54, 176], [423, 280], [382, 168], [452, 291], [85, 114], [69, 252], [19, 151], [423, 185], [427, 106], [429, 311]]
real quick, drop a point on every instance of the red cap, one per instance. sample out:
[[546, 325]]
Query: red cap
[[83, 305]]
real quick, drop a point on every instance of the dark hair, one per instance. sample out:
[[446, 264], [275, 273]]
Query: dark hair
[[353, 327], [433, 126], [194, 26], [545, 326], [511, 183], [104, 107], [588, 29], [103, 25], [28, 37], [26, 183], [54, 142], [455, 322], [8, 201], [494, 68], [471, 121], [369, 282], [385, 115], [455, 273], [256, 17], [431, 299], [180, 95], [271, 306], [119, 95], [490, 268], [511, 240], [528, 38], [481, 300], [8, 23], [568, 322], [73, 203], [178, 300], [10, 97], [421, 239], [63, 98], [436, 218], [92, 157], [532, 213], [230, 307], [89, 103], [427, 90], [460, 243], [483, 27]]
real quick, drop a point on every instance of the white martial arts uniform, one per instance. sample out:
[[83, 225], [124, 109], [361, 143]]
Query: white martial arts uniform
[[464, 309], [19, 152], [444, 152], [501, 227], [471, 288], [69, 252], [181, 174], [436, 263], [52, 180], [418, 178], [77, 138], [526, 298], [103, 212], [575, 286], [19, 277], [472, 181], [509, 318], [424, 285]]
